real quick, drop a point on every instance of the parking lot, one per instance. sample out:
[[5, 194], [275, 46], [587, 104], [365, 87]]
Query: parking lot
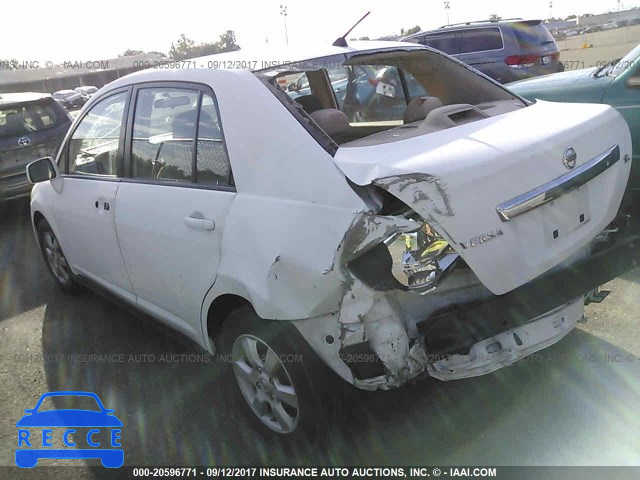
[[574, 403], [605, 46]]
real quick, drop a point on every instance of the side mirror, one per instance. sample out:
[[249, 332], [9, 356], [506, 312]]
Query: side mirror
[[633, 82], [42, 170]]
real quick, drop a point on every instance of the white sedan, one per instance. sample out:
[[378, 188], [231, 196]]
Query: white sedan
[[304, 246]]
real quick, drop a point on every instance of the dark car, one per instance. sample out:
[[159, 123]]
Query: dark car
[[32, 125], [506, 50]]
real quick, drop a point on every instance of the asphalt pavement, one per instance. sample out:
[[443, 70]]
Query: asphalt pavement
[[575, 403]]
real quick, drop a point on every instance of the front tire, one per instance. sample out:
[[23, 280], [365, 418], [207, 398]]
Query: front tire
[[54, 258], [279, 378]]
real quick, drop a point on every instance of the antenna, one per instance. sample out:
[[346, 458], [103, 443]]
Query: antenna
[[342, 42]]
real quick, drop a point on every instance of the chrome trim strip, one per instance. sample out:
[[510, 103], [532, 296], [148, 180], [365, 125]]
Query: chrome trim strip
[[558, 186]]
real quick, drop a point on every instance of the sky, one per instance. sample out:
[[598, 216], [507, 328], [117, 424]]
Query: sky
[[59, 30]]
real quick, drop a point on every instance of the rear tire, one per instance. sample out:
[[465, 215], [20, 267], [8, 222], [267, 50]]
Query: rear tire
[[278, 376], [54, 258]]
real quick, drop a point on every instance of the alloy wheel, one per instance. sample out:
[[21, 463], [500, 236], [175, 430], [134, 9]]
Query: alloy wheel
[[55, 258], [265, 384]]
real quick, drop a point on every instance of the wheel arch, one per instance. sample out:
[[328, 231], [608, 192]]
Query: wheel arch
[[219, 310], [37, 217]]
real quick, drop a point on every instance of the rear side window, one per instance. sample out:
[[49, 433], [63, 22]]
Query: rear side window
[[531, 34], [440, 41], [23, 119], [177, 138], [466, 41]]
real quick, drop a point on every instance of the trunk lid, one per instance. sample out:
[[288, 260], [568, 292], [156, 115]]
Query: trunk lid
[[498, 188]]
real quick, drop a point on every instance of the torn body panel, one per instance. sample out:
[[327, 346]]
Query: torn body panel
[[398, 326]]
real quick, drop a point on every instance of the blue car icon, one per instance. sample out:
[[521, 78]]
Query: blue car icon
[[28, 456]]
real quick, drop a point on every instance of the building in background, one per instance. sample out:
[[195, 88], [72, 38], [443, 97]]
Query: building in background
[[69, 75]]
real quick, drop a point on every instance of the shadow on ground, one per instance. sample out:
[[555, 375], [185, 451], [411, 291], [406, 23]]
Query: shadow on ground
[[24, 280], [566, 405]]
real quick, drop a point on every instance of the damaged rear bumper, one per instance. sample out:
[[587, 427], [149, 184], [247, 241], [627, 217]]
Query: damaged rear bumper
[[377, 341], [510, 346]]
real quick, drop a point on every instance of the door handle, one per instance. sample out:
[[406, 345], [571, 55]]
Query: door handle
[[199, 222]]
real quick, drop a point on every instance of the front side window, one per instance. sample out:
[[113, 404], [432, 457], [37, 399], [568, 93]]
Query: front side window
[[93, 148], [167, 123]]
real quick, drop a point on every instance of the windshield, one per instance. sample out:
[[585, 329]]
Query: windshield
[[629, 60]]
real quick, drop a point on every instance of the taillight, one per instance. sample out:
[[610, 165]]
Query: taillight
[[555, 56], [518, 61]]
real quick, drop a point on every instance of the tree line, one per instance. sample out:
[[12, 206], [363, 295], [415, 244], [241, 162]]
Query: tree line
[[182, 49]]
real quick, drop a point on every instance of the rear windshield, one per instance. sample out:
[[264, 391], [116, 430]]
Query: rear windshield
[[531, 34], [368, 93], [465, 41], [26, 118]]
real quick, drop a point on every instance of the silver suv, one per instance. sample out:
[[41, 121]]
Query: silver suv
[[32, 125], [506, 50]]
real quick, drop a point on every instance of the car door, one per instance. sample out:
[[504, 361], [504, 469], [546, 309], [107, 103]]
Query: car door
[[174, 200], [85, 207]]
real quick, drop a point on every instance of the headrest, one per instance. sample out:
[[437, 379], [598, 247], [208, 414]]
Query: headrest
[[331, 120]]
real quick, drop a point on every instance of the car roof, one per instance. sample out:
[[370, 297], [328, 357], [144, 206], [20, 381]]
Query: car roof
[[22, 97], [473, 24]]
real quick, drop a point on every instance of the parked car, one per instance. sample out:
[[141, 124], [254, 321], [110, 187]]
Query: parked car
[[591, 29], [609, 26], [69, 99], [86, 91], [32, 125], [212, 201], [616, 83], [506, 51]]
